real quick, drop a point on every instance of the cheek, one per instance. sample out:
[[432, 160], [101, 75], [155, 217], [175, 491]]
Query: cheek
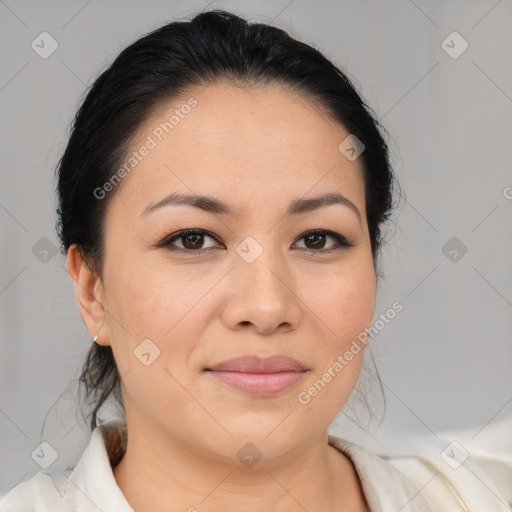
[[150, 299], [158, 306], [168, 308], [344, 302], [344, 307]]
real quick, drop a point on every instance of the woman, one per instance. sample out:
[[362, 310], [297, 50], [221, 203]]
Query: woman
[[221, 199]]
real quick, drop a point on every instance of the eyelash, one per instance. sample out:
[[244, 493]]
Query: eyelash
[[167, 242]]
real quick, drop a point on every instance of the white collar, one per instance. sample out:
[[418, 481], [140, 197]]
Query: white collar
[[91, 485]]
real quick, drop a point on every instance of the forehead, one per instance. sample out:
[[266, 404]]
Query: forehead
[[241, 143]]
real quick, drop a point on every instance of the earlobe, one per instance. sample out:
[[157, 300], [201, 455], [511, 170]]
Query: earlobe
[[88, 293]]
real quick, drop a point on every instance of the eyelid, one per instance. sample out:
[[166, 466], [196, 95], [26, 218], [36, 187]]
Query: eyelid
[[342, 242], [339, 238], [166, 242]]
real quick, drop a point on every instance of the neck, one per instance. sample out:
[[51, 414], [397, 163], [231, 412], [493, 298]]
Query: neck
[[157, 471]]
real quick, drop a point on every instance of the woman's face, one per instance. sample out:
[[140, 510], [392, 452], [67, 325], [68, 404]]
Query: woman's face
[[254, 285]]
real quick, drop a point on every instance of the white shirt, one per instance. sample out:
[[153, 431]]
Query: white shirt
[[416, 480]]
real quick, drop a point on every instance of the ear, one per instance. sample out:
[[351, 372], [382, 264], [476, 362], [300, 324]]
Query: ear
[[89, 295]]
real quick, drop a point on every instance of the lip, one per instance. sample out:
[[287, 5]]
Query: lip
[[258, 364], [257, 375]]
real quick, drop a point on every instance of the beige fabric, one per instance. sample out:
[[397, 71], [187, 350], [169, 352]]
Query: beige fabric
[[413, 482]]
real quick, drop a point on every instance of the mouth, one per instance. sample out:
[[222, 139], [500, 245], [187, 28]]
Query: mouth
[[257, 375]]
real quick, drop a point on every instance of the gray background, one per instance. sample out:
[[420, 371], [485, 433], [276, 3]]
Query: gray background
[[445, 360]]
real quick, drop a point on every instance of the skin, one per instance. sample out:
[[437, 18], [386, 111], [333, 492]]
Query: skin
[[257, 150]]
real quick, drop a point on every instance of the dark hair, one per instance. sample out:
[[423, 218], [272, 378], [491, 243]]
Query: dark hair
[[214, 45]]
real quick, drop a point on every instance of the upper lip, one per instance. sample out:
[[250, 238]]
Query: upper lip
[[258, 364]]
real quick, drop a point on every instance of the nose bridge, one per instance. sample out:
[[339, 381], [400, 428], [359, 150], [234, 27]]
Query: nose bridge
[[261, 263], [261, 287]]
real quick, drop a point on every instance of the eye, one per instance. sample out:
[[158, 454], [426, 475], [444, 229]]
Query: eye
[[315, 241], [192, 241]]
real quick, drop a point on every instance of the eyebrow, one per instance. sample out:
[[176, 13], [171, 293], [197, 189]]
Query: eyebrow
[[212, 205]]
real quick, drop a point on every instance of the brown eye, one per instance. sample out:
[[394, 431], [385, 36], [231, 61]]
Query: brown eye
[[191, 240], [315, 241]]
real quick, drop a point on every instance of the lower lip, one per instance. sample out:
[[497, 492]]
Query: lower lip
[[259, 383]]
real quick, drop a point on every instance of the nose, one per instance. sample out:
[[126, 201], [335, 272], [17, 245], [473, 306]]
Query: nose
[[263, 296]]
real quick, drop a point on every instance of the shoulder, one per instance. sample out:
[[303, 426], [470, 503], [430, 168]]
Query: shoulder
[[385, 487], [454, 471], [88, 486], [38, 493]]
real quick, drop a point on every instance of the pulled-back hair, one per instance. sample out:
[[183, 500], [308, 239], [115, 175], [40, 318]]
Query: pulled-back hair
[[155, 69]]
